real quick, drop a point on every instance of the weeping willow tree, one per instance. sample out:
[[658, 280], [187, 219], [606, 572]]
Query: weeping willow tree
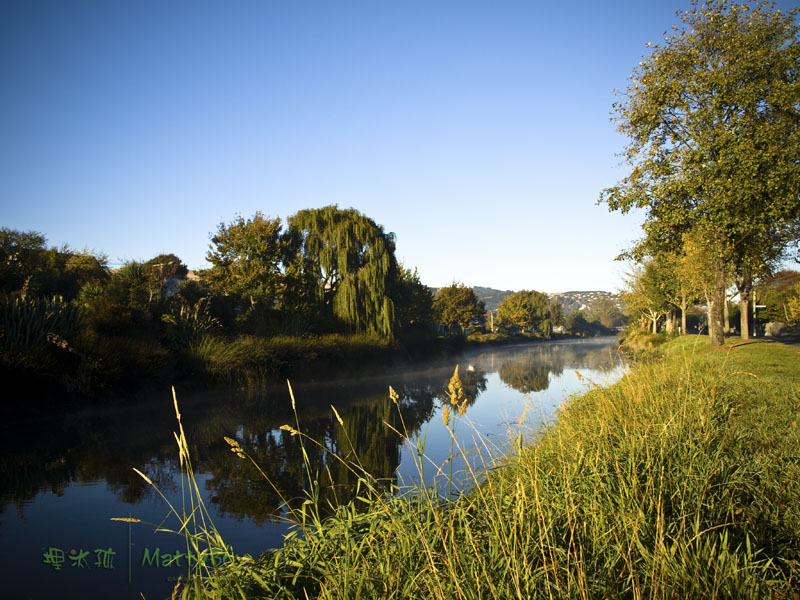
[[345, 262]]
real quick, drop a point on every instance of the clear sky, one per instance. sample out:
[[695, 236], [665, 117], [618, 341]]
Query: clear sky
[[477, 132]]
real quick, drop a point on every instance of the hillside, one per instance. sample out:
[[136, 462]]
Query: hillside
[[571, 301]]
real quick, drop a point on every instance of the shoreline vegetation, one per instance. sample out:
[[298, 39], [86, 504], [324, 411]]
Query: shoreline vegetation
[[119, 366], [326, 291], [676, 482]]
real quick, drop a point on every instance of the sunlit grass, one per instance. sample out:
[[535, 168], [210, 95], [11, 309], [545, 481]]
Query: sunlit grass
[[679, 481]]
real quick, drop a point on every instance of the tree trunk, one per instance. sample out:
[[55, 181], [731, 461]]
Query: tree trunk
[[683, 314], [744, 318], [670, 322], [655, 322], [709, 304], [745, 293], [716, 317], [726, 317]]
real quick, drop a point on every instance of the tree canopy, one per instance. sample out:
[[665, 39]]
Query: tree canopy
[[780, 296], [458, 306], [526, 309], [20, 253], [646, 295], [350, 262], [714, 136], [413, 300], [245, 257]]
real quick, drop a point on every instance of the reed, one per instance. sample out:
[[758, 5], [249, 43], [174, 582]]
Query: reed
[[677, 482]]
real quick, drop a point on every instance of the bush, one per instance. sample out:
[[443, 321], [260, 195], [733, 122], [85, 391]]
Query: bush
[[28, 323]]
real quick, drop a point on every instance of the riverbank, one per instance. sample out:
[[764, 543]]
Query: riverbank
[[676, 482], [98, 367]]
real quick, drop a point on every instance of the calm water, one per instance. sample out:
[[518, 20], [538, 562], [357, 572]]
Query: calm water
[[65, 478]]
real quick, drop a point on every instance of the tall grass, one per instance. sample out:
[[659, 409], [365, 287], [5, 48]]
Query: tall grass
[[680, 481], [254, 360], [213, 568]]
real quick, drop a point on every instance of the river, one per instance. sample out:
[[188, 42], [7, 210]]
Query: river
[[66, 476]]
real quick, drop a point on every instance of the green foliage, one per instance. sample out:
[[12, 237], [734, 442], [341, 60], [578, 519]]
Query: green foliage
[[245, 257], [484, 338], [253, 360], [343, 262], [166, 266], [190, 291], [606, 312], [82, 269], [28, 267], [216, 357], [556, 313], [19, 257], [711, 116], [527, 310], [187, 324], [124, 305], [692, 268], [577, 324], [413, 300], [31, 323], [648, 290], [780, 294], [159, 271], [458, 306]]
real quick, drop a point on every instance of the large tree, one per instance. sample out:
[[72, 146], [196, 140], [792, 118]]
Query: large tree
[[526, 309], [245, 257], [345, 262], [714, 135], [458, 306], [20, 257], [413, 300], [646, 293]]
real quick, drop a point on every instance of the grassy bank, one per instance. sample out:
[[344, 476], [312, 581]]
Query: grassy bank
[[680, 481]]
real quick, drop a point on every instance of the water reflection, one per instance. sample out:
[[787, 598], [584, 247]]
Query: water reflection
[[103, 443], [364, 443]]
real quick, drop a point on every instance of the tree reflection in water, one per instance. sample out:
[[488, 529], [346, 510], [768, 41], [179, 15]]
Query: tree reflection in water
[[103, 443], [530, 371], [364, 442], [524, 375]]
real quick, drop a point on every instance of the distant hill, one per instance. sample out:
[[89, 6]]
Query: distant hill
[[571, 301], [491, 297]]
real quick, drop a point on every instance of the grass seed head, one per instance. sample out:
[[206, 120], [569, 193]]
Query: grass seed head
[[338, 418], [143, 476]]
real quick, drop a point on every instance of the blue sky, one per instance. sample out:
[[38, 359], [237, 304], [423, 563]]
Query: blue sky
[[477, 132]]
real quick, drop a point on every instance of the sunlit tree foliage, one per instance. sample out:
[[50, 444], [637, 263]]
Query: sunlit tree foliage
[[458, 306], [714, 136]]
